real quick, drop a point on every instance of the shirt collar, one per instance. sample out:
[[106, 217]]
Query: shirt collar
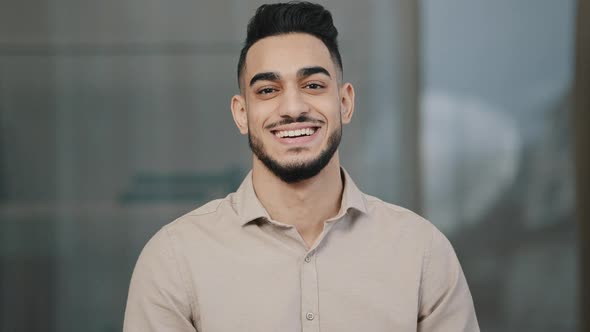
[[249, 208]]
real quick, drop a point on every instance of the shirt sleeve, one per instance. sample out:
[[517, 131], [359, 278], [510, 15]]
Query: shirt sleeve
[[158, 297], [445, 300]]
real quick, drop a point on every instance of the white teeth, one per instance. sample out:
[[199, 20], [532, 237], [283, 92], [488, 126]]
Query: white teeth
[[295, 133]]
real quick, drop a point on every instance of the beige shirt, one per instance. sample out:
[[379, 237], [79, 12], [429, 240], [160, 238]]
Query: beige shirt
[[228, 267]]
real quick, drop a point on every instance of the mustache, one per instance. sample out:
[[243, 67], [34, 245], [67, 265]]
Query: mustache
[[299, 119]]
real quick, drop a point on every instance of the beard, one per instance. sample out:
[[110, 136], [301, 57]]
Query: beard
[[300, 170]]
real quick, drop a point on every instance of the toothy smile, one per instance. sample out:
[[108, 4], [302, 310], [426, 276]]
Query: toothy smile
[[295, 133]]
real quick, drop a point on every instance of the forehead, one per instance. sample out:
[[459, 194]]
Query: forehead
[[286, 54]]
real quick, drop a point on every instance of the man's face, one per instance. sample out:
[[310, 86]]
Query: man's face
[[292, 106]]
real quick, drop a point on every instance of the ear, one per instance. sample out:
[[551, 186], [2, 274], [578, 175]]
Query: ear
[[238, 111], [346, 102]]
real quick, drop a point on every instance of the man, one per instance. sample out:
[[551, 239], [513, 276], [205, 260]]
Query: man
[[298, 247]]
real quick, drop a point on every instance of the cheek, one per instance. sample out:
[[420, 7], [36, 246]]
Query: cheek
[[254, 119], [331, 111], [260, 114]]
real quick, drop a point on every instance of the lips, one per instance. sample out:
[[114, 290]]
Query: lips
[[295, 133], [301, 135]]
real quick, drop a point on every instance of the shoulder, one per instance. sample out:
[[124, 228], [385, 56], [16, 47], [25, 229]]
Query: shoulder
[[413, 230], [377, 203], [208, 212], [403, 222], [214, 217], [390, 213], [211, 207]]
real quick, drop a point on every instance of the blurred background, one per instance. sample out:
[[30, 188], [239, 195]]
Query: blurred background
[[114, 120]]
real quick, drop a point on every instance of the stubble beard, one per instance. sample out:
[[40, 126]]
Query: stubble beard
[[296, 171]]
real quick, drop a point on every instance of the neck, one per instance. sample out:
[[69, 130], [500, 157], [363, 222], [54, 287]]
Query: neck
[[305, 204]]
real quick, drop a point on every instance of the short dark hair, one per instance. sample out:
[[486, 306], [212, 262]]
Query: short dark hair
[[291, 17]]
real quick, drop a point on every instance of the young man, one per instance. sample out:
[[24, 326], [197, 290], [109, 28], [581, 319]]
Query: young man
[[298, 247]]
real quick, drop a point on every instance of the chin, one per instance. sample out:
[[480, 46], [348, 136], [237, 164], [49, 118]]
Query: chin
[[297, 158], [296, 163]]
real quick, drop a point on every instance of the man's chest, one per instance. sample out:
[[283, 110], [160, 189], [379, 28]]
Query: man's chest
[[339, 286]]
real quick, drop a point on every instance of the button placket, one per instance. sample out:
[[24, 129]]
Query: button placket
[[309, 294], [308, 257]]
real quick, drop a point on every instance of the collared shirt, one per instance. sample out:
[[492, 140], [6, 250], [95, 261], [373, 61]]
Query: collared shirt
[[227, 267]]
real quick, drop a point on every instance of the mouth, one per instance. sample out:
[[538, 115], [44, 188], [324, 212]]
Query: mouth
[[296, 136], [295, 133]]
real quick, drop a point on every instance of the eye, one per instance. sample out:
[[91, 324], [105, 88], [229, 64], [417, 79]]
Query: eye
[[265, 91], [314, 86]]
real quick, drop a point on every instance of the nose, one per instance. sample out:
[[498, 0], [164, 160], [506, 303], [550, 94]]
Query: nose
[[293, 104]]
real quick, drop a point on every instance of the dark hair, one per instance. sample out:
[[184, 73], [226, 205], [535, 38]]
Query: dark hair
[[295, 16]]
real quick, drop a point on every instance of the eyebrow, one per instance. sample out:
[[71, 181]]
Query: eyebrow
[[301, 73], [308, 71], [267, 76]]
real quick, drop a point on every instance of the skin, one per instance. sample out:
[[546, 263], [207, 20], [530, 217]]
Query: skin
[[290, 91]]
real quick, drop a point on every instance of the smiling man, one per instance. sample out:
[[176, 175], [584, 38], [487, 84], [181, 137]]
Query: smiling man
[[297, 247]]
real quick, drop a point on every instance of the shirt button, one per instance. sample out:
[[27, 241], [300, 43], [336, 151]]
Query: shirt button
[[309, 316], [308, 258]]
